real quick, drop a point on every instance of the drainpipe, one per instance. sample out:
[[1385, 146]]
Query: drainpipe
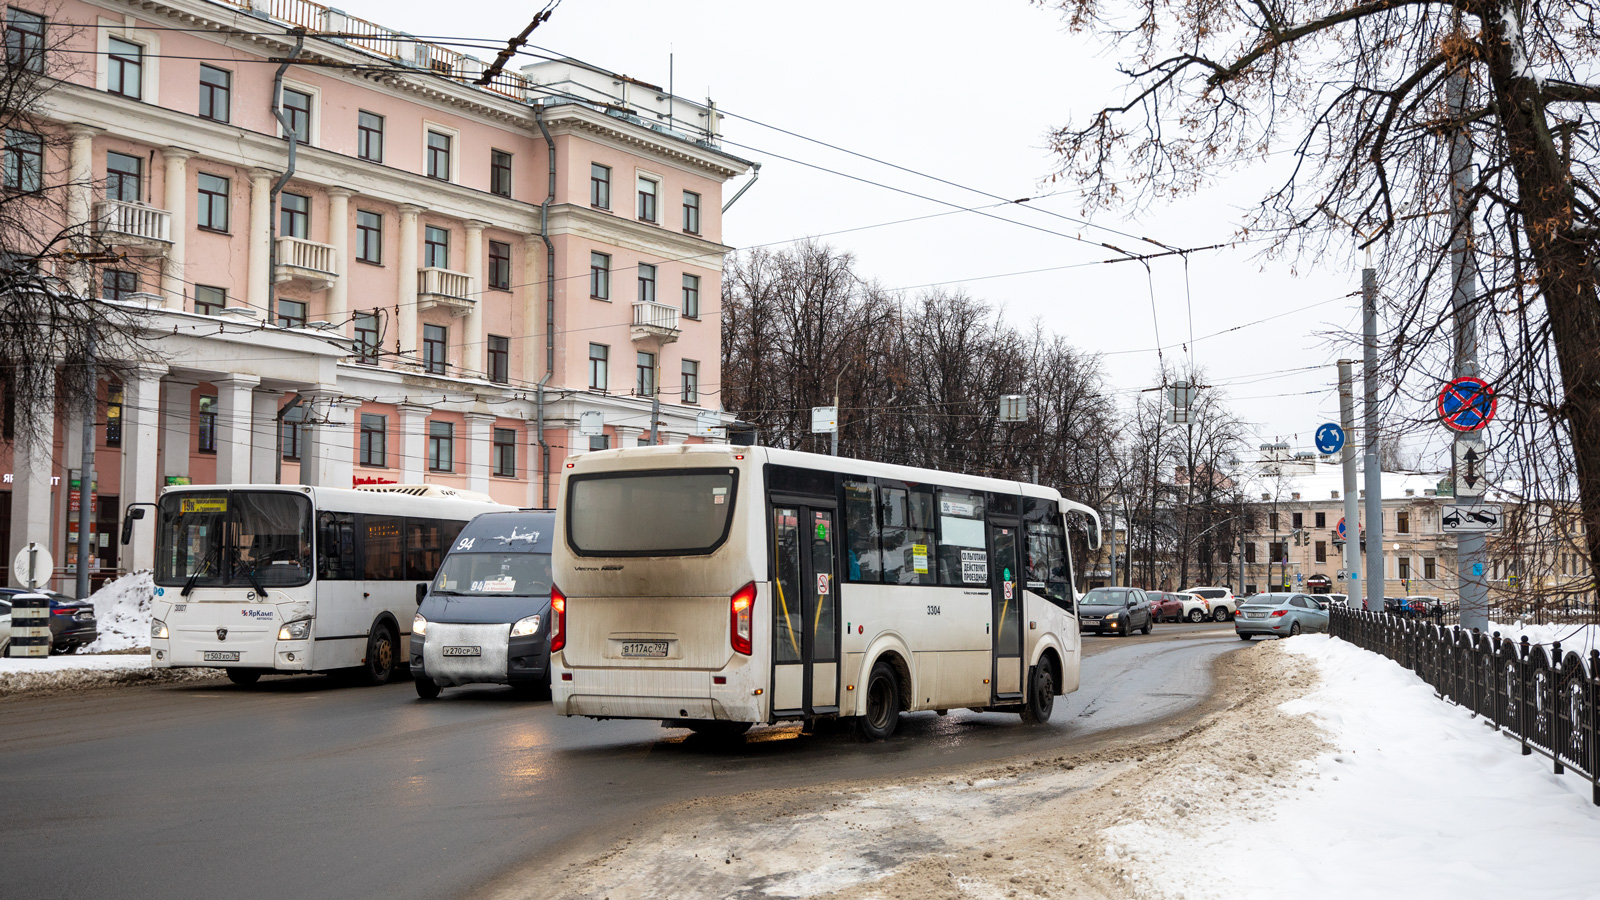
[[549, 305], [277, 186]]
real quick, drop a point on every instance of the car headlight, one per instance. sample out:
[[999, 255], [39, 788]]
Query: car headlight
[[298, 630], [158, 630], [419, 625], [525, 626]]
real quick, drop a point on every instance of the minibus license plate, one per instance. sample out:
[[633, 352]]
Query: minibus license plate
[[222, 656], [463, 651], [646, 649]]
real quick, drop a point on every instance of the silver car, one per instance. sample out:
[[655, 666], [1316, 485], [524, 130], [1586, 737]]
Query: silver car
[[1279, 615]]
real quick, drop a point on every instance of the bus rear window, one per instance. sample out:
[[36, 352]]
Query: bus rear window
[[680, 513]]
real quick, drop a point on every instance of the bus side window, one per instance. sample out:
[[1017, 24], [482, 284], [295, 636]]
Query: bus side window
[[1048, 570], [336, 551], [863, 555], [385, 559], [923, 518], [963, 554]]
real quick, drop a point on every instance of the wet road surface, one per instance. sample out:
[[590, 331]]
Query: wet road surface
[[298, 788]]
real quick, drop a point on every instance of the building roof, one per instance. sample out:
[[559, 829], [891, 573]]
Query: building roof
[[1318, 482]]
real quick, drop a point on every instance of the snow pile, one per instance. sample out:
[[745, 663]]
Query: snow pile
[[1415, 798], [71, 673], [122, 610]]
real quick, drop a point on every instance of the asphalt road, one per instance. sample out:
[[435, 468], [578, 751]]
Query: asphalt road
[[299, 788]]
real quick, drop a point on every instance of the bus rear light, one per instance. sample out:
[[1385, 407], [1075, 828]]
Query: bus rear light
[[558, 619], [719, 679], [566, 676], [741, 618]]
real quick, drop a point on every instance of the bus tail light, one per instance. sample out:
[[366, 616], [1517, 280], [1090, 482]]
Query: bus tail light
[[741, 617], [558, 619]]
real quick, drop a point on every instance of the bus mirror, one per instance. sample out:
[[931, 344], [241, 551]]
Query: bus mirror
[[128, 519], [422, 593]]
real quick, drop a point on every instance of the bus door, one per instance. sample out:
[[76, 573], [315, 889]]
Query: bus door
[[805, 610], [1005, 584]]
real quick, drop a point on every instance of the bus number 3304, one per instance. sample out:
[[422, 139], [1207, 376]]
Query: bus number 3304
[[933, 610]]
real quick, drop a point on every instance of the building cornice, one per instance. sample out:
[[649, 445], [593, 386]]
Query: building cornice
[[576, 118], [651, 240]]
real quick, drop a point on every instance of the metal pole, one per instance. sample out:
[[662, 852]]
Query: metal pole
[[1471, 558], [836, 416], [1369, 463], [86, 475], [1352, 512], [1113, 512]]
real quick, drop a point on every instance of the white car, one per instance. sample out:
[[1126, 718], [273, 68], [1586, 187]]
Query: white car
[[1223, 606], [1195, 608]]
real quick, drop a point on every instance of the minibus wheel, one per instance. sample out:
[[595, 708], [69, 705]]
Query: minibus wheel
[[883, 703], [427, 688], [1041, 694], [717, 729]]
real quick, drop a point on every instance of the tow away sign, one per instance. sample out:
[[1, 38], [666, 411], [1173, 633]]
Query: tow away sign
[[1457, 519]]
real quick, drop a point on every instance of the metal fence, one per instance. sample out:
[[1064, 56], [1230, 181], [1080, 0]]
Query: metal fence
[[1538, 695]]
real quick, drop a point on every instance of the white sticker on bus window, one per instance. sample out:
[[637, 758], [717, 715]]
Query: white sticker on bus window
[[919, 558], [822, 585], [974, 567], [1008, 590], [502, 585], [956, 508], [719, 495]]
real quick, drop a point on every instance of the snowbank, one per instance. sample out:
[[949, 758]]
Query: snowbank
[[70, 673], [122, 609], [1415, 799]]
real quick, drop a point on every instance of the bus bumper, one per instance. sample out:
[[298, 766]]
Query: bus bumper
[[658, 693]]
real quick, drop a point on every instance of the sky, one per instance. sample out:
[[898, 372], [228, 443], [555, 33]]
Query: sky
[[966, 95]]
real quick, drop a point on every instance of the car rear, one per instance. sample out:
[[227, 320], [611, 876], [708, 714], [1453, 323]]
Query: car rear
[[1264, 615]]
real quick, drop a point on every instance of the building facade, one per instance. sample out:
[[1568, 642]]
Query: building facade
[[447, 267]]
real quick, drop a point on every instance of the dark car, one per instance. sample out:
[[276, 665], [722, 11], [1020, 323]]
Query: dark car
[[1115, 610], [72, 622], [1166, 607]]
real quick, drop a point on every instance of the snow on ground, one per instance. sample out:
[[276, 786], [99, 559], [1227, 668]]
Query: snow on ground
[[76, 672], [122, 611], [1574, 638], [1414, 798]]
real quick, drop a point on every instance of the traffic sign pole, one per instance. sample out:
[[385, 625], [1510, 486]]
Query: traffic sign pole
[[1347, 418]]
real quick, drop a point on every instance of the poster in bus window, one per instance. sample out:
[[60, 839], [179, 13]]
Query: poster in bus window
[[974, 567], [919, 558]]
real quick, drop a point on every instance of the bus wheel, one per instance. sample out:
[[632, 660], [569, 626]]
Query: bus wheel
[[883, 703], [717, 729], [245, 677], [381, 652], [427, 688], [1041, 695]]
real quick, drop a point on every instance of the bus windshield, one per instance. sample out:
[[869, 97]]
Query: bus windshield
[[234, 539], [494, 574], [682, 513]]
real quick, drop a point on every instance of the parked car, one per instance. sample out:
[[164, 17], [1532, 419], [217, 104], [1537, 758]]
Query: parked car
[[1338, 599], [1166, 607], [1116, 611], [1279, 615], [72, 622], [5, 626], [1195, 608], [1223, 604]]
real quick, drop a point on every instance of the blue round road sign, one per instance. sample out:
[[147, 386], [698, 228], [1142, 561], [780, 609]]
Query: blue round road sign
[[1466, 404], [1341, 528], [1330, 438]]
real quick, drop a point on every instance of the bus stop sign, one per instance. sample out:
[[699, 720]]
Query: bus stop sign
[[1466, 404]]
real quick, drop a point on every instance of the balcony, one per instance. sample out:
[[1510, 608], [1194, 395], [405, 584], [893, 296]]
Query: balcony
[[655, 322], [444, 288], [306, 262], [125, 224]]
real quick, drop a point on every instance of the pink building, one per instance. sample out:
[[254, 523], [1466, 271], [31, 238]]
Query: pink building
[[431, 261]]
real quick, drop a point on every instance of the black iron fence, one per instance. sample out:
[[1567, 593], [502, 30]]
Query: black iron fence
[[1538, 695]]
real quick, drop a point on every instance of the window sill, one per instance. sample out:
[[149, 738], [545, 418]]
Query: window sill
[[496, 287], [213, 230], [368, 262], [601, 299], [651, 222], [441, 471], [369, 465], [371, 159], [604, 209]]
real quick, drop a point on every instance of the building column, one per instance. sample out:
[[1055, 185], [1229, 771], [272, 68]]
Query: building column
[[31, 506], [80, 200], [235, 406], [533, 325], [413, 442], [628, 435], [474, 354], [264, 406], [330, 453], [480, 447], [339, 237], [259, 240], [406, 332], [141, 436], [177, 427], [173, 289]]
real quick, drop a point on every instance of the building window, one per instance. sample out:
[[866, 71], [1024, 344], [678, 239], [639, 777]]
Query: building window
[[24, 160], [1278, 551], [1299, 520], [1322, 520], [691, 212], [369, 237], [290, 428], [208, 301], [500, 265], [297, 106], [438, 159], [124, 68], [213, 202], [369, 136], [600, 442], [374, 440], [1272, 521], [647, 283], [599, 186], [599, 361], [500, 173], [216, 86], [505, 452], [499, 359], [436, 247], [647, 199], [1430, 568], [207, 426], [644, 382], [294, 218], [24, 40], [1402, 522], [1322, 551], [691, 381], [441, 446], [124, 177], [367, 337], [434, 357], [116, 285], [600, 276], [1404, 564], [291, 313], [691, 296]]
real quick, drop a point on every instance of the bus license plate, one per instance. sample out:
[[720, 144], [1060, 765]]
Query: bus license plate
[[221, 656], [645, 649], [463, 651]]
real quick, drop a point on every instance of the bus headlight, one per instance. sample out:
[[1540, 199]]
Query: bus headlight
[[525, 626], [298, 630], [158, 630], [419, 625]]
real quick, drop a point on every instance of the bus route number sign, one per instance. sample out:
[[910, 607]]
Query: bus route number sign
[[1467, 404]]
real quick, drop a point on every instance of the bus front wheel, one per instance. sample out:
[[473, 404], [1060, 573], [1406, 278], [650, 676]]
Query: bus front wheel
[[382, 651], [244, 677], [883, 703], [1041, 694]]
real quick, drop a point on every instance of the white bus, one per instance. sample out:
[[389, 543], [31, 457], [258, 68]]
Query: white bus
[[258, 578], [716, 586]]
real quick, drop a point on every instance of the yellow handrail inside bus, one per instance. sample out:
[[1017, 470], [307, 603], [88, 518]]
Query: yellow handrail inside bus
[[782, 603]]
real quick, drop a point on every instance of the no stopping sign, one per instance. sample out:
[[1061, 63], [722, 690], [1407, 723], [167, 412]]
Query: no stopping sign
[[1466, 404]]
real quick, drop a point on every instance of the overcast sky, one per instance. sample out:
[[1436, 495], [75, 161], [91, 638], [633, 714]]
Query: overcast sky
[[968, 96]]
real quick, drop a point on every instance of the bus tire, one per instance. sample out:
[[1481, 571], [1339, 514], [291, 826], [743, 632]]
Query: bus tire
[[244, 677], [883, 703], [382, 652], [1041, 694], [717, 729]]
